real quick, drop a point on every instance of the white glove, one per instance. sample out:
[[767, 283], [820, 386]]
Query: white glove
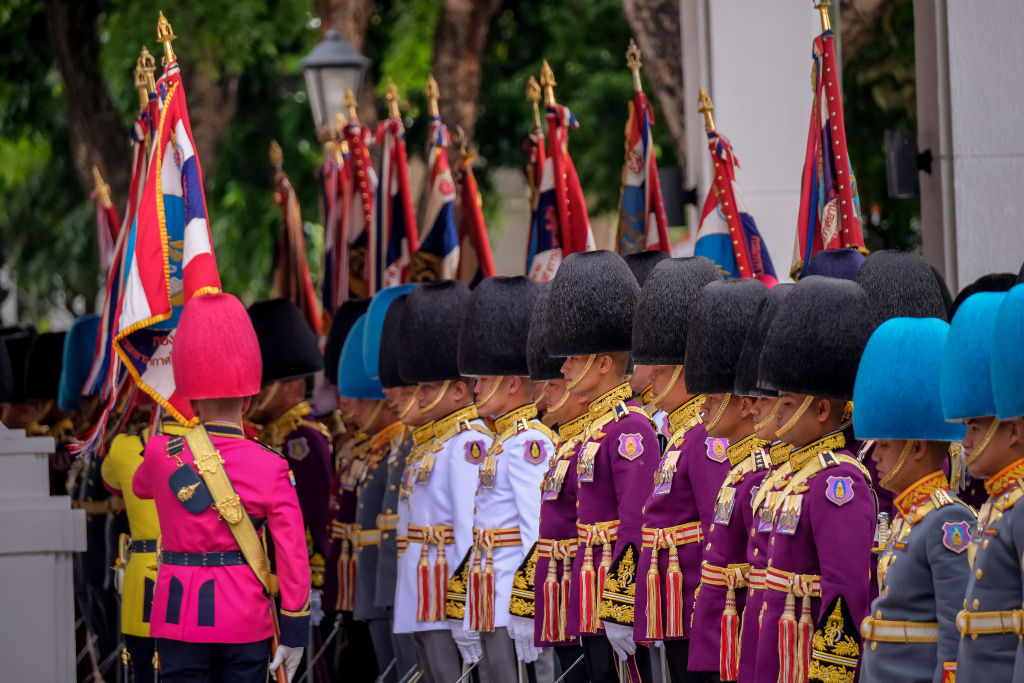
[[289, 656], [521, 631], [621, 639], [468, 643], [316, 609]]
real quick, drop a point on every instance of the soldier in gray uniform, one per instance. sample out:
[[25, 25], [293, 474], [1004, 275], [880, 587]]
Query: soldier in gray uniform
[[990, 621], [911, 633], [402, 398]]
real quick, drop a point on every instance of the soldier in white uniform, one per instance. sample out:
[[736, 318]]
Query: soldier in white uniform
[[441, 471], [493, 348]]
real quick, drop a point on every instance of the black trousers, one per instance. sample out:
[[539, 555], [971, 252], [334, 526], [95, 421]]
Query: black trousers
[[182, 662], [600, 660], [140, 650], [677, 653]]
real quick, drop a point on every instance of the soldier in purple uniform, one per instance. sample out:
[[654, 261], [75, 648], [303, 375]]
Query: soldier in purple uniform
[[723, 313], [823, 513], [591, 306], [678, 503], [557, 539]]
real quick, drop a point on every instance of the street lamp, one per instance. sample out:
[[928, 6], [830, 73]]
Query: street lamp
[[330, 68]]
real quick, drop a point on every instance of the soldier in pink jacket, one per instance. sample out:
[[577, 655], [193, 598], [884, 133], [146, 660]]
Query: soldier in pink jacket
[[211, 616]]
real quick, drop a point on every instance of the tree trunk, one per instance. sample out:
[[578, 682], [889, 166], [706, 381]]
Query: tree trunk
[[212, 105], [857, 21], [97, 134], [351, 18], [655, 25], [459, 42]]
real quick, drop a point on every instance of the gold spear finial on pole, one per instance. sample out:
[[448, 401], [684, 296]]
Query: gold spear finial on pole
[[165, 34], [460, 139], [339, 123], [633, 62], [822, 7], [276, 156], [547, 81], [140, 85], [533, 94], [101, 189], [391, 95], [147, 64], [433, 93], [350, 105], [705, 106]]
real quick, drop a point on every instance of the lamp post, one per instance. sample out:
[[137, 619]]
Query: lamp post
[[330, 68]]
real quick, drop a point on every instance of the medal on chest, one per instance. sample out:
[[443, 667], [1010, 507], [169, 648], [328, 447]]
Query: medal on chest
[[488, 471], [724, 505], [425, 469], [666, 472], [585, 466], [789, 514], [553, 482]]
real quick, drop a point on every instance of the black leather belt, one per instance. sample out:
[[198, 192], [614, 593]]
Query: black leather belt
[[143, 546], [222, 559]]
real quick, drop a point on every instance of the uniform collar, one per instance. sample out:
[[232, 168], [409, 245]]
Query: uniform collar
[[226, 429], [1000, 482], [573, 427], [274, 433], [610, 399], [920, 491], [445, 424], [423, 434], [779, 452], [829, 442], [509, 419], [687, 415], [742, 449], [647, 395]]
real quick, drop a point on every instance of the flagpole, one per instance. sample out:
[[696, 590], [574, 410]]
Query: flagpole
[[433, 93], [533, 94], [165, 35], [633, 62], [391, 95], [548, 82], [823, 7], [102, 189], [705, 106], [145, 65]]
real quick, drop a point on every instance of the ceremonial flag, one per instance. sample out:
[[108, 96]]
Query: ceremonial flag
[[108, 225], [571, 209], [829, 215], [438, 254], [335, 193], [354, 220], [475, 262], [395, 239], [642, 221], [544, 249], [292, 280], [728, 234], [168, 256]]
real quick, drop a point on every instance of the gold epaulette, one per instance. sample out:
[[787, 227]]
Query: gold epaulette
[[617, 412], [524, 425], [1010, 498], [755, 462]]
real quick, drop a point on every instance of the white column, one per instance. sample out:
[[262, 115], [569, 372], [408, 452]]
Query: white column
[[754, 59], [969, 98], [38, 533]]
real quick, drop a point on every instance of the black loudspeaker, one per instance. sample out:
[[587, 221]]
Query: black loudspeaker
[[901, 163]]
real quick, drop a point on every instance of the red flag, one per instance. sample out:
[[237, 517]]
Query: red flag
[[829, 215], [336, 198], [574, 229], [642, 221], [475, 262], [108, 225], [359, 207], [394, 239], [292, 280]]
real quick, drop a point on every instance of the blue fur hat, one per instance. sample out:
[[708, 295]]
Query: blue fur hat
[[353, 380], [896, 394], [966, 386], [379, 305], [79, 351], [1007, 362]]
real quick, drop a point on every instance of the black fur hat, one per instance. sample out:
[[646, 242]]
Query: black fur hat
[[815, 342], [642, 263], [663, 312], [428, 347], [543, 366], [344, 318], [43, 364], [495, 327], [17, 342], [387, 361], [287, 344], [721, 316], [993, 282], [839, 263], [900, 284], [746, 367], [593, 296]]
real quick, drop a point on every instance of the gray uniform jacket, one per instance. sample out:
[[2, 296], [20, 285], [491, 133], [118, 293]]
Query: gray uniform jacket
[[911, 633], [371, 497], [387, 559]]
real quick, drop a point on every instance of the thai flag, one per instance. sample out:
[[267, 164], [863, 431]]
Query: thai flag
[[355, 220], [574, 229], [544, 250], [168, 255], [394, 239], [829, 215], [438, 255], [642, 221], [475, 261], [728, 234]]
